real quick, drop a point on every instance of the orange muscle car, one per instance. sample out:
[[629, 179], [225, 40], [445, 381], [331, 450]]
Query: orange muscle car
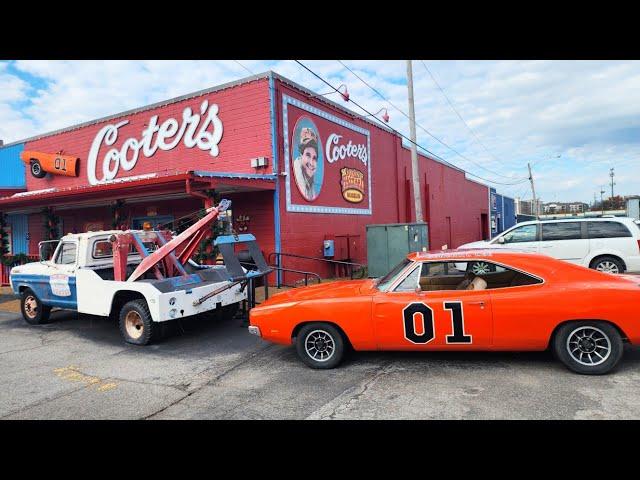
[[462, 300], [40, 163]]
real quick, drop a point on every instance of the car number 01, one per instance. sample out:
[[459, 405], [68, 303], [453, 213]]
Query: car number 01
[[457, 321], [60, 164]]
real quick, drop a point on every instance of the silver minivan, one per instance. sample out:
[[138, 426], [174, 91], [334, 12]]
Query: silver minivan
[[608, 244]]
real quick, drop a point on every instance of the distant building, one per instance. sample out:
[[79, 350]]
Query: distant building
[[525, 207], [565, 207]]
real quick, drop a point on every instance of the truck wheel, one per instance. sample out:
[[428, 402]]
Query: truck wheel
[[33, 311], [136, 324], [36, 169]]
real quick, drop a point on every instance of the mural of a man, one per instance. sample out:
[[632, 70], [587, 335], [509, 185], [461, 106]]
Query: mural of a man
[[305, 166]]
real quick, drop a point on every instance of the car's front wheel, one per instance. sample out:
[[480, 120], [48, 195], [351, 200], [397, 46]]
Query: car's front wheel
[[320, 345], [36, 169], [33, 311], [590, 348]]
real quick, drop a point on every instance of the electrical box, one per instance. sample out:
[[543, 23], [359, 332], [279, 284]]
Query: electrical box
[[388, 244], [328, 248]]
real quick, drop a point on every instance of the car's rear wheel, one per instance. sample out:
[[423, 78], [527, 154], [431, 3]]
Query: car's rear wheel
[[136, 325], [33, 311], [591, 348], [36, 169], [320, 345], [608, 264]]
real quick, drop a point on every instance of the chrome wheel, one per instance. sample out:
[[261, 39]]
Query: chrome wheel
[[134, 325], [607, 267], [589, 346], [31, 306], [319, 345], [480, 268]]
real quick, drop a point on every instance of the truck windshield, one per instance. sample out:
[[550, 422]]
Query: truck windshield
[[384, 282]]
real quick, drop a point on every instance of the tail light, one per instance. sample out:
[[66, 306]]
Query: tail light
[[638, 244]]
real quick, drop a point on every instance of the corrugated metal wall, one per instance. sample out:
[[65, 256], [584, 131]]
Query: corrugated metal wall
[[19, 229], [12, 169]]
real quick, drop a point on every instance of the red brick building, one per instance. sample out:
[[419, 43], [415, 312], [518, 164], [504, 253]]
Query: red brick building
[[254, 142]]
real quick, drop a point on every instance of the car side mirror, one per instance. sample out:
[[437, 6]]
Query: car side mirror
[[501, 240]]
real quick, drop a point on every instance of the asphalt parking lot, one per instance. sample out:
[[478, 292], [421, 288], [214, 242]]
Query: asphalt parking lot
[[79, 368]]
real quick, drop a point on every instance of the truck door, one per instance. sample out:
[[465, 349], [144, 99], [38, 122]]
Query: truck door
[[62, 290]]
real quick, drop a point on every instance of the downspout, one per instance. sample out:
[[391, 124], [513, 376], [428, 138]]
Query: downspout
[[274, 154]]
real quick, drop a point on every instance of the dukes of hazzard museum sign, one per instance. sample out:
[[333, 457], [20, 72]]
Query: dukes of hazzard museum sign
[[202, 129], [328, 161]]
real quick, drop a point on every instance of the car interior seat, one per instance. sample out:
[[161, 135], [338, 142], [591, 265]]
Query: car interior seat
[[477, 284]]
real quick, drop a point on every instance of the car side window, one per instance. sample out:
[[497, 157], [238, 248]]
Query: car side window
[[472, 275], [607, 230], [561, 231], [410, 283], [67, 254], [525, 233]]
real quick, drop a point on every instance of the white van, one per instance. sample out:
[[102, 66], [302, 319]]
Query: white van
[[608, 244]]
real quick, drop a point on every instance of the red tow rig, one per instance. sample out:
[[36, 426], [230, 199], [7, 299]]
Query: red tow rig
[[165, 254]]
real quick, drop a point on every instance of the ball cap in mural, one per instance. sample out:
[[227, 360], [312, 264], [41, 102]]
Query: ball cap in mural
[[308, 138]]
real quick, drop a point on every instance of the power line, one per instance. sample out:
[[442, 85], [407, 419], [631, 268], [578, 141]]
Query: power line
[[425, 130], [244, 67], [460, 117], [402, 135]]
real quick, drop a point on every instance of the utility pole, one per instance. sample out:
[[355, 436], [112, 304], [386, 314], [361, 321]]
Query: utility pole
[[533, 191], [417, 194], [612, 174], [595, 201], [602, 199]]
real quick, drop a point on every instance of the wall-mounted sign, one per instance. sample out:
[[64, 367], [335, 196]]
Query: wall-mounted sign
[[327, 159], [41, 163], [352, 183], [202, 130]]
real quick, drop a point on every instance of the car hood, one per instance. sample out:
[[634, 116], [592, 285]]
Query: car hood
[[339, 289], [478, 244]]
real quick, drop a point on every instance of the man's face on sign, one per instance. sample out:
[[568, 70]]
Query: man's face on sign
[[309, 161]]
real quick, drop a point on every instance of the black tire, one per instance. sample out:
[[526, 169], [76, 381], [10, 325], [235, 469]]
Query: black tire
[[327, 337], [608, 344], [136, 325], [36, 169], [33, 311], [607, 263]]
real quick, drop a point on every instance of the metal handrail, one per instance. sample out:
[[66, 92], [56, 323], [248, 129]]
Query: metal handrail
[[282, 269], [278, 255]]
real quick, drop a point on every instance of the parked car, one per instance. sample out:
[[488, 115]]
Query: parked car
[[608, 244], [526, 301]]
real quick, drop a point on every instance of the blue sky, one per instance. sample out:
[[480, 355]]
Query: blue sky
[[586, 112]]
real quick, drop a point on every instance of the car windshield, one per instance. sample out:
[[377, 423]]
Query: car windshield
[[388, 279]]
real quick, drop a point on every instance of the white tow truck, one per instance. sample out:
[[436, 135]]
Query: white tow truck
[[138, 277]]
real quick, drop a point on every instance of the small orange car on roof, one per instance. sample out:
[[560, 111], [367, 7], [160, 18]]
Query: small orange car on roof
[[41, 163], [462, 300]]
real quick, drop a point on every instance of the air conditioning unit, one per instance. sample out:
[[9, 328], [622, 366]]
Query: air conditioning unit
[[259, 162]]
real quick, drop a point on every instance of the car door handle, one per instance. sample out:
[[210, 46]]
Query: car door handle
[[476, 303]]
